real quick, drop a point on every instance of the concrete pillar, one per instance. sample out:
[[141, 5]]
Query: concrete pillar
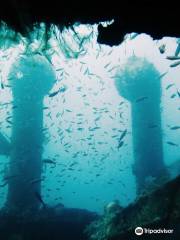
[[139, 82], [31, 79], [4, 145]]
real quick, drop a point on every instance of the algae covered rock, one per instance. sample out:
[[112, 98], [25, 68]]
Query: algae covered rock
[[104, 227], [159, 209]]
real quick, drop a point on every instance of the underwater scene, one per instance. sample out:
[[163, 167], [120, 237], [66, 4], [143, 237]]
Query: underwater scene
[[89, 134]]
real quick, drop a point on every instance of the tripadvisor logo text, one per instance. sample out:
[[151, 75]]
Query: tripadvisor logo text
[[140, 231]]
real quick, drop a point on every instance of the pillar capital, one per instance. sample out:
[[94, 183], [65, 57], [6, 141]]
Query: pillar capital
[[32, 74], [138, 78]]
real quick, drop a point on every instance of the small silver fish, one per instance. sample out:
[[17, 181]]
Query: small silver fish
[[173, 95], [141, 99], [47, 160], [39, 198], [177, 49], [123, 135], [120, 144], [2, 85], [175, 64], [37, 180], [178, 93], [172, 57], [169, 86], [175, 128], [63, 89], [107, 65], [162, 75], [172, 144], [53, 94], [162, 48]]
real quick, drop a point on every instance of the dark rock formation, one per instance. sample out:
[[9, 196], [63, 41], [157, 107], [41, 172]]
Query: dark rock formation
[[46, 224], [158, 210], [146, 16]]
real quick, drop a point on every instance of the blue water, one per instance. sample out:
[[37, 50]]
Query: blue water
[[85, 119]]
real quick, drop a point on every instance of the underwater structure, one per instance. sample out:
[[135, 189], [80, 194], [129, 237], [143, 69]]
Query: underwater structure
[[139, 83], [25, 215], [27, 78], [150, 211], [4, 145]]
